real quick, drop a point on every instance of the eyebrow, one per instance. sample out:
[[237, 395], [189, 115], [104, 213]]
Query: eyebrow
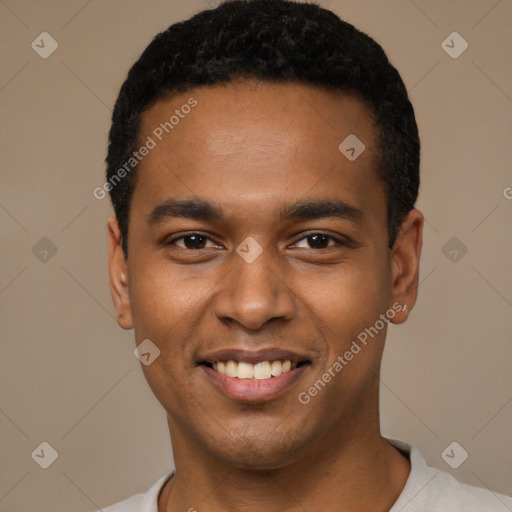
[[198, 209], [321, 208]]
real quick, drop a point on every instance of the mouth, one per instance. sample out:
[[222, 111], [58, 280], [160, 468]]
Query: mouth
[[253, 376]]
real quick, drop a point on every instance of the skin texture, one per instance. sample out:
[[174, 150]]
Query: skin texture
[[251, 149]]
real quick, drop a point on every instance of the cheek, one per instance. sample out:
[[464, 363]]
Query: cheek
[[157, 298], [167, 308], [357, 291], [163, 312], [348, 304]]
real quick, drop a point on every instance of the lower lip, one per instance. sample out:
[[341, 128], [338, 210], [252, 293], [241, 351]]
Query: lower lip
[[250, 390]]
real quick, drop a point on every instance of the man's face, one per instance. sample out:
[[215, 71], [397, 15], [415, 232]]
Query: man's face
[[260, 156]]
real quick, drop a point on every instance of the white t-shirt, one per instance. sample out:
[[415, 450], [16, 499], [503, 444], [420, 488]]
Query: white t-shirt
[[426, 490]]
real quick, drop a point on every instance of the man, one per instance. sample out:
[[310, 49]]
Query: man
[[264, 167]]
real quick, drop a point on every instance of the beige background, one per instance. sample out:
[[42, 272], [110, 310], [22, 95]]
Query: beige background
[[68, 374]]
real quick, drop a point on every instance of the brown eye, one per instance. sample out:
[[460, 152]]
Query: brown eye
[[318, 241], [193, 241]]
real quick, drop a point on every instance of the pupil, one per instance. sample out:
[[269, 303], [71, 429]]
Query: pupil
[[318, 241], [197, 241]]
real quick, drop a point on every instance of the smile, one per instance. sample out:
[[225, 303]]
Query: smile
[[253, 375], [250, 376], [261, 370]]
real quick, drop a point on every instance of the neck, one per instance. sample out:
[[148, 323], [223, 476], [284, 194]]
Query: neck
[[357, 472]]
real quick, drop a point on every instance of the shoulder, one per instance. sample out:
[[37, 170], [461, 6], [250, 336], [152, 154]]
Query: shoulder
[[449, 494], [430, 489], [147, 502]]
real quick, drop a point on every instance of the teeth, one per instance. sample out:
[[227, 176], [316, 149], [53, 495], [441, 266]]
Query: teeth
[[276, 368], [260, 371], [245, 370], [231, 369]]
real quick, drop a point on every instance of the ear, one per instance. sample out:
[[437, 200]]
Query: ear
[[118, 274], [405, 264]]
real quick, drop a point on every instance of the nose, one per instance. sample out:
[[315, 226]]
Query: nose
[[254, 293]]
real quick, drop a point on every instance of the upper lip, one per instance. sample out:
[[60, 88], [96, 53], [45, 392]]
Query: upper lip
[[252, 356]]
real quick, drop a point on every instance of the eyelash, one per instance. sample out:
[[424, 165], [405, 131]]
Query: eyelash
[[339, 243]]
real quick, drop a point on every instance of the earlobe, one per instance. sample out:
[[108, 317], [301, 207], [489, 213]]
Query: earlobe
[[118, 275], [405, 260]]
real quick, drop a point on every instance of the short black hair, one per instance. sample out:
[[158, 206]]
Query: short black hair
[[272, 41]]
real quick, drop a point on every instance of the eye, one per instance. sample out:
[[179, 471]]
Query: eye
[[192, 241], [319, 241], [198, 241]]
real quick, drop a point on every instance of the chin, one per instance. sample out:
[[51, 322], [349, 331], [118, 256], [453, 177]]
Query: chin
[[259, 452]]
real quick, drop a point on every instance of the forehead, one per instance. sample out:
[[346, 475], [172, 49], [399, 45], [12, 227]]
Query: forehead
[[255, 142]]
